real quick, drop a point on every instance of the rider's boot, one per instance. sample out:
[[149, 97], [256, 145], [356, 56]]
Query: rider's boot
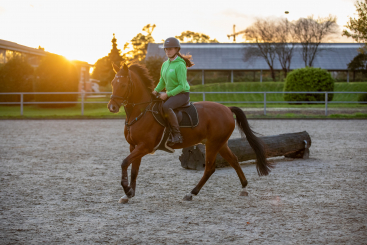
[[176, 134]]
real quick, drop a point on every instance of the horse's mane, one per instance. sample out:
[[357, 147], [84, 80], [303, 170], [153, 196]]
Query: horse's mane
[[143, 73]]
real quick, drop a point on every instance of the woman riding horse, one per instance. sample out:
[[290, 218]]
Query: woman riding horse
[[132, 87], [173, 79]]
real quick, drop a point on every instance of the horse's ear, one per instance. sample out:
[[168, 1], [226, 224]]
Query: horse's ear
[[125, 68], [115, 67]]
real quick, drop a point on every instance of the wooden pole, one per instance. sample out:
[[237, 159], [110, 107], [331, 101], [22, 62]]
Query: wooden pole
[[294, 145]]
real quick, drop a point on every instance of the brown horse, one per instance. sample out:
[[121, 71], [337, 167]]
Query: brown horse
[[132, 88]]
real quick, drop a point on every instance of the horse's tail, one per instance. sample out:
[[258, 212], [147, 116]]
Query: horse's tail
[[262, 165]]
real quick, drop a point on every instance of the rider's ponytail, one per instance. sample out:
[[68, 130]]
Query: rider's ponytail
[[187, 58]]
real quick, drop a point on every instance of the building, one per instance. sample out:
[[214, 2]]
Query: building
[[10, 49], [33, 56], [228, 58]]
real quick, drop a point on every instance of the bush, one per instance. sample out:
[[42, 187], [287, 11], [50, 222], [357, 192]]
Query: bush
[[308, 79], [154, 65], [103, 71], [56, 74], [16, 76], [362, 98]]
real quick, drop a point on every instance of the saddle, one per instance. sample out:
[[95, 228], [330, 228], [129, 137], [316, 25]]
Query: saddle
[[187, 117]]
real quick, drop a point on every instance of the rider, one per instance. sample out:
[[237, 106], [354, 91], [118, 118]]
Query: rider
[[173, 79]]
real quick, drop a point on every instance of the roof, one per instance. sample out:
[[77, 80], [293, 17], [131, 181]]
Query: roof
[[28, 50], [20, 48], [229, 56]]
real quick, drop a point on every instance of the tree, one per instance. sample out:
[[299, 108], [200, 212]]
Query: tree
[[139, 45], [115, 54], [310, 32], [102, 68], [358, 27], [56, 74], [195, 37], [263, 34], [359, 63], [285, 44]]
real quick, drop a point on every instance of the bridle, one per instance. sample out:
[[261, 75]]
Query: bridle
[[125, 102], [128, 92]]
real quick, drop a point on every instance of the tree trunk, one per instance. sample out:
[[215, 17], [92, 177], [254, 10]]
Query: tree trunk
[[272, 73], [294, 145]]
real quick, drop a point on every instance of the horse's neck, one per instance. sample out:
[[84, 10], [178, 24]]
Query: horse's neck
[[140, 95], [140, 92]]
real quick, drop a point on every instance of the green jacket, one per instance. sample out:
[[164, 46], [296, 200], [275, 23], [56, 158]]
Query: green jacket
[[173, 77]]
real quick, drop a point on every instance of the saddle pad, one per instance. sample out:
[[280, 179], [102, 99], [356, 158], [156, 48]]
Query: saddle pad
[[185, 122]]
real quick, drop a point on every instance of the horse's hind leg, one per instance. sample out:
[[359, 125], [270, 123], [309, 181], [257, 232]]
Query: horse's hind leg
[[211, 151], [232, 159]]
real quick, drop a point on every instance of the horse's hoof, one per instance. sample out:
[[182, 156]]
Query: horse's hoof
[[124, 200], [187, 197], [243, 193]]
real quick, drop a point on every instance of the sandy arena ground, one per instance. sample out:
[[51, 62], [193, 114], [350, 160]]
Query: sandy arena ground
[[60, 183]]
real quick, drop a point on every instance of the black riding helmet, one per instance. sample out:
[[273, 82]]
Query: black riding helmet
[[171, 42]]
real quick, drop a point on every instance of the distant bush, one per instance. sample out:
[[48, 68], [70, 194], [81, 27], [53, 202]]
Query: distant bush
[[16, 76], [362, 98], [56, 74], [154, 64], [308, 79]]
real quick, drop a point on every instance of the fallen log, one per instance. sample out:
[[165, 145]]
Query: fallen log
[[292, 145]]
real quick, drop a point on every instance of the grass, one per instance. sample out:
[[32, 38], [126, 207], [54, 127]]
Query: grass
[[90, 111], [100, 110], [271, 87]]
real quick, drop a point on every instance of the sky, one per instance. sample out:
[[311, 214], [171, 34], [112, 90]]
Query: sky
[[83, 29]]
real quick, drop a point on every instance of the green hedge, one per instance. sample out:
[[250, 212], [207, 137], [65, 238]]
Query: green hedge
[[362, 98], [56, 74], [308, 79], [16, 76]]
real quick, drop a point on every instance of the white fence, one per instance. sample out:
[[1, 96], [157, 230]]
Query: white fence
[[264, 102]]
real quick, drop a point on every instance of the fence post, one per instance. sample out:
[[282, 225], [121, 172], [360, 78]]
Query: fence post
[[261, 76], [348, 76], [265, 103], [82, 103], [231, 76], [203, 96], [21, 104], [326, 99], [202, 77]]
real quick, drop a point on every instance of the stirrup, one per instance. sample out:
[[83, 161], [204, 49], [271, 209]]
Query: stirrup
[[171, 142]]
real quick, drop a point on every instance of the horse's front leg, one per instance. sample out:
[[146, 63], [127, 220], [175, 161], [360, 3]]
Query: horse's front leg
[[135, 158], [134, 170]]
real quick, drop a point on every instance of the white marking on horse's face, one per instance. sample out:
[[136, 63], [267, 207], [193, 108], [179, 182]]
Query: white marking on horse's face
[[111, 106]]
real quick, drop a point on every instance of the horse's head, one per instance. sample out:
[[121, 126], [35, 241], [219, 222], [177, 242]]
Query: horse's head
[[121, 88]]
